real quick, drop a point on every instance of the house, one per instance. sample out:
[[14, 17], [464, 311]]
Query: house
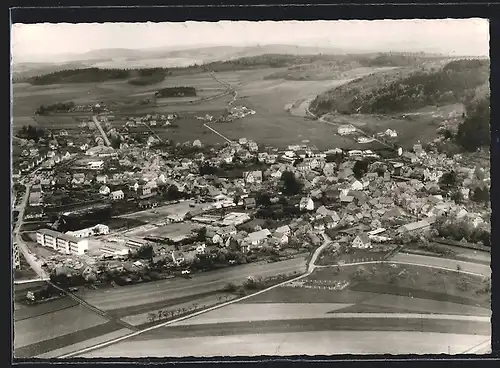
[[117, 195], [356, 185], [346, 129], [346, 198], [281, 238], [104, 190], [362, 241], [257, 237], [306, 204], [285, 229], [252, 177], [249, 203], [421, 225], [103, 178], [242, 141], [78, 179], [253, 147], [95, 165]]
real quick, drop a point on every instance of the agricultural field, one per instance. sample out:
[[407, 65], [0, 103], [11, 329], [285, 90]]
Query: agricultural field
[[57, 324]]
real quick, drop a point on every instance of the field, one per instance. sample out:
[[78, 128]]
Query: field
[[423, 310], [291, 342], [58, 323]]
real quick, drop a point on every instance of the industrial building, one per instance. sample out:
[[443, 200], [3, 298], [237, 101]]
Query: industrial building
[[63, 243]]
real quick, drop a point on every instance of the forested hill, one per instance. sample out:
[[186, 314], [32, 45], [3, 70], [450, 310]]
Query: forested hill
[[155, 75], [405, 89]]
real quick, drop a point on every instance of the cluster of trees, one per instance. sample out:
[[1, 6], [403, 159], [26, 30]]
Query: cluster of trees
[[176, 92], [404, 91], [30, 132], [57, 107], [94, 75], [474, 132], [462, 229], [290, 185]]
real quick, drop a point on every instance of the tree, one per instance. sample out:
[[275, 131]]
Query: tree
[[481, 194], [290, 184], [146, 252], [263, 199], [474, 132], [172, 193], [360, 168], [448, 179]]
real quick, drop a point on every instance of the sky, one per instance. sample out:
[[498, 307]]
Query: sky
[[449, 36]]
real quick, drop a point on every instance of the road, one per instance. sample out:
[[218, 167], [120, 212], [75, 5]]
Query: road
[[99, 127], [219, 134], [35, 265]]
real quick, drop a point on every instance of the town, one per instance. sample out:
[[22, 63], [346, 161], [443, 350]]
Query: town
[[151, 210]]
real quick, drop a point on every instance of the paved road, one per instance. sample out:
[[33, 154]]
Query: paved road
[[219, 134], [99, 127]]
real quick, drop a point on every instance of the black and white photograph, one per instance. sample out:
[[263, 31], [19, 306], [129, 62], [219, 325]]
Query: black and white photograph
[[250, 188]]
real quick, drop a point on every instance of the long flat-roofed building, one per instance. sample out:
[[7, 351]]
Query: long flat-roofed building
[[63, 243]]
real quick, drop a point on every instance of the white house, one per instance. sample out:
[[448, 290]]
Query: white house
[[285, 229], [306, 204], [356, 185], [95, 165], [104, 190], [117, 195], [252, 177], [258, 237], [362, 241]]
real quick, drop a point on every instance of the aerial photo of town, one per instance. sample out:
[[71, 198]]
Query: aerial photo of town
[[251, 188]]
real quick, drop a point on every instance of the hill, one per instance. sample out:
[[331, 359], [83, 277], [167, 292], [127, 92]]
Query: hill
[[408, 88], [338, 67]]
